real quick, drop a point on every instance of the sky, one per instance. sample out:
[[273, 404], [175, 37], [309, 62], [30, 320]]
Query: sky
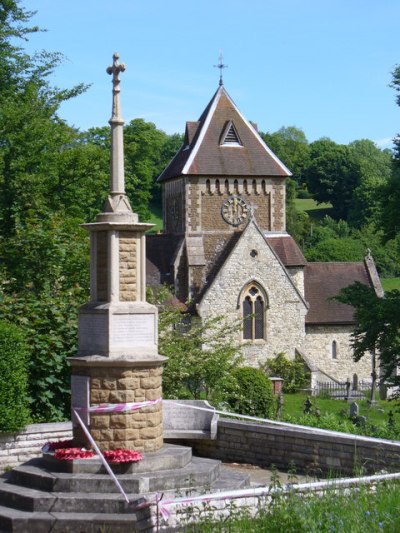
[[321, 65]]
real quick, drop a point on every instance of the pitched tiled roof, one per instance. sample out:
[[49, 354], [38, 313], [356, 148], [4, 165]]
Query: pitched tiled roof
[[322, 281], [203, 154], [287, 250]]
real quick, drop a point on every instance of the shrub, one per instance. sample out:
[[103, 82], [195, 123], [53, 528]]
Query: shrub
[[292, 372], [14, 413], [251, 393]]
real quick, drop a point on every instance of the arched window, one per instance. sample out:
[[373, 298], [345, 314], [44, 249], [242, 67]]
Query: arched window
[[253, 313], [334, 350]]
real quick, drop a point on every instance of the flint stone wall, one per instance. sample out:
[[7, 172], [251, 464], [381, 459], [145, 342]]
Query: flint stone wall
[[318, 347], [285, 312]]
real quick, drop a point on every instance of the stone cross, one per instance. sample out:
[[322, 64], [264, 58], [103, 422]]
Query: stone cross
[[115, 69], [117, 181]]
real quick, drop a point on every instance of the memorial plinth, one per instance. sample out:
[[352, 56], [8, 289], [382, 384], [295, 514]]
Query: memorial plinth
[[117, 361]]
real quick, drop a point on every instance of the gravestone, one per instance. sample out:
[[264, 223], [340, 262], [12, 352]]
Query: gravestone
[[354, 410]]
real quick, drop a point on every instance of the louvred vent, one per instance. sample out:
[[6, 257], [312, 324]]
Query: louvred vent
[[230, 135]]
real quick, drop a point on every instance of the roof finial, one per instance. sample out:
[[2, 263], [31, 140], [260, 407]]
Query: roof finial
[[220, 66]]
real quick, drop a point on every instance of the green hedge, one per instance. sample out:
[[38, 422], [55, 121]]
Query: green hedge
[[252, 393], [14, 411]]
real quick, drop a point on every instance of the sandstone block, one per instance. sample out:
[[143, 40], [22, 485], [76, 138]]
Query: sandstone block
[[150, 433], [119, 421], [96, 434], [154, 419], [132, 434], [127, 374], [152, 382], [106, 435], [128, 383], [153, 445], [99, 396], [122, 396], [99, 421], [156, 371], [95, 383], [137, 424], [153, 394], [109, 384]]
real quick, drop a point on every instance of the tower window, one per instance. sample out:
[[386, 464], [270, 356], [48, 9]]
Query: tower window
[[253, 312]]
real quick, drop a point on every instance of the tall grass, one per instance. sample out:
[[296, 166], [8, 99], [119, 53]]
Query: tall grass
[[360, 510]]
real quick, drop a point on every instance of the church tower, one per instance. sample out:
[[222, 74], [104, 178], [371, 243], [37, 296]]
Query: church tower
[[222, 176]]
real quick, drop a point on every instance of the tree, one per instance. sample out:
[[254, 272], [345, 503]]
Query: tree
[[375, 167], [14, 411], [391, 197], [290, 144], [332, 175], [201, 353], [377, 328]]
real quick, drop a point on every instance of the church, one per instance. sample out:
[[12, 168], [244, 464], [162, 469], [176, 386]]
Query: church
[[225, 248]]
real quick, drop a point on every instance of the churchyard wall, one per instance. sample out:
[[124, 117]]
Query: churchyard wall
[[309, 450]]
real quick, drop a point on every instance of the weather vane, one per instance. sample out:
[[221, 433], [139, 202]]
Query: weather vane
[[221, 66]]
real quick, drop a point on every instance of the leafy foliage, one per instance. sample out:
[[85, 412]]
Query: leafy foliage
[[251, 393], [201, 354], [292, 372], [14, 411], [377, 326], [50, 327]]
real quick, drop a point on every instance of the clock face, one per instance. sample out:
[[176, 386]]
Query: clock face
[[234, 210]]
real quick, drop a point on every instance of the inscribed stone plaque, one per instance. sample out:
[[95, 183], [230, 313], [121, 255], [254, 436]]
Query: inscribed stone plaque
[[132, 330], [92, 332], [80, 394]]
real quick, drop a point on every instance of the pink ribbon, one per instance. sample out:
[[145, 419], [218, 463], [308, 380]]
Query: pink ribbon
[[119, 407]]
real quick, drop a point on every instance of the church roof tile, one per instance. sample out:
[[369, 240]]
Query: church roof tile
[[322, 281], [205, 153]]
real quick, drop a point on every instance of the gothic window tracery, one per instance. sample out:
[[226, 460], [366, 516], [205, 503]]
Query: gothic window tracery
[[253, 307]]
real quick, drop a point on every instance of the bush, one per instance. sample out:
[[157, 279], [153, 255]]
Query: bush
[[251, 393], [14, 412], [292, 372]]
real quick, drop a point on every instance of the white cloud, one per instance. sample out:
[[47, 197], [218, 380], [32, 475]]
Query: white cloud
[[386, 142]]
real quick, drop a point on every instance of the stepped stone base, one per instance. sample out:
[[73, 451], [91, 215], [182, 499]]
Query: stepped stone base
[[46, 495]]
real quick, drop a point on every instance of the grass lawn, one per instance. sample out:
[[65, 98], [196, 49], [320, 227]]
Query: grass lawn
[[314, 210], [334, 415], [389, 284], [156, 218]]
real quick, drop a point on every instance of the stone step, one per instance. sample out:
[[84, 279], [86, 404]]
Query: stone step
[[169, 457], [199, 473], [15, 521], [33, 500], [230, 480]]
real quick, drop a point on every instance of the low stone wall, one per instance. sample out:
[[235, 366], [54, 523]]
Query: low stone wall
[[309, 450], [15, 448]]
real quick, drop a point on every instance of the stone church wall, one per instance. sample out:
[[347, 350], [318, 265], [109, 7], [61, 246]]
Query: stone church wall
[[318, 348], [285, 309]]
